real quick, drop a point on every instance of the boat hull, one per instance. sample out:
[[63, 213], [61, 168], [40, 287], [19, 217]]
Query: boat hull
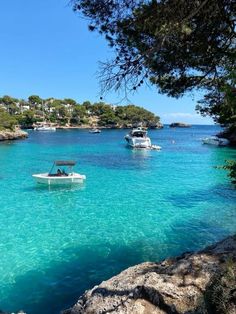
[[136, 142], [95, 131], [215, 141], [51, 129], [45, 178]]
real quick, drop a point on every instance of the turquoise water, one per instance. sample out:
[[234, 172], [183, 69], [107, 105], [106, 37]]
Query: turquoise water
[[135, 206]]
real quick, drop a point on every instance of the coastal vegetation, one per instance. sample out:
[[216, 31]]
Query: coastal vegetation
[[230, 166], [7, 121], [68, 113], [177, 46]]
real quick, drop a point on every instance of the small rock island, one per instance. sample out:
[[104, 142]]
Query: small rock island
[[7, 135], [180, 125]]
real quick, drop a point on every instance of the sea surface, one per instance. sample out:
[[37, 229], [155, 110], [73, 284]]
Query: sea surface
[[56, 242]]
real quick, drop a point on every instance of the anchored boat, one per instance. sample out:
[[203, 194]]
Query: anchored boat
[[214, 140], [94, 131], [62, 175], [45, 127], [137, 138]]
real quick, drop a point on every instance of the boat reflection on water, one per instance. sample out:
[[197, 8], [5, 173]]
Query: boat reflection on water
[[60, 188]]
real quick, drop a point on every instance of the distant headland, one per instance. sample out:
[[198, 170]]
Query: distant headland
[[67, 113]]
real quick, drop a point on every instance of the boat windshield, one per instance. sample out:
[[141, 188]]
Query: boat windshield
[[139, 133], [63, 167], [64, 163]]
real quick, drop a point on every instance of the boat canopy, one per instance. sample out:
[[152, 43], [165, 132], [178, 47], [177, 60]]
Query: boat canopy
[[64, 162]]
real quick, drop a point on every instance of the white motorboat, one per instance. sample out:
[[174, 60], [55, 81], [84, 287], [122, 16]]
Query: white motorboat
[[95, 131], [214, 140], [137, 138], [45, 127], [63, 175]]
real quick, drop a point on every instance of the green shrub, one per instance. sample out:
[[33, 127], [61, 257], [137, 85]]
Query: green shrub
[[230, 166], [7, 122], [220, 294]]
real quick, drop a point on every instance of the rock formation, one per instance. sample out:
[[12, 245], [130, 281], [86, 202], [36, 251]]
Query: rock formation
[[230, 134], [202, 282], [179, 125], [12, 135]]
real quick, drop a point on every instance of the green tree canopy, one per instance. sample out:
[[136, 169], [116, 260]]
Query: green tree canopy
[[8, 100], [7, 122], [27, 118], [35, 100], [70, 101], [177, 45]]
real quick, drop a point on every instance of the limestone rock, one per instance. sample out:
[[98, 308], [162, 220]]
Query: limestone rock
[[12, 135], [173, 286]]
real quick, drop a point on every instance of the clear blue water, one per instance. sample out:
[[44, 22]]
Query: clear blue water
[[135, 206]]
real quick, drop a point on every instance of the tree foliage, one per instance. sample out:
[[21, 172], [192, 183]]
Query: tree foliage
[[220, 102], [230, 166], [7, 121], [177, 45], [68, 112], [27, 118], [34, 100]]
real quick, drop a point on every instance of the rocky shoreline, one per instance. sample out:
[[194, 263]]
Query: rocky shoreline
[[89, 126], [8, 135], [201, 282]]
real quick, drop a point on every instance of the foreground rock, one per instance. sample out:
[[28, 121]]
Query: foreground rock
[[12, 135], [202, 282]]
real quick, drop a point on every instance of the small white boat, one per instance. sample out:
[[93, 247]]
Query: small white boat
[[137, 138], [63, 175], [214, 140], [155, 147], [95, 131], [45, 127]]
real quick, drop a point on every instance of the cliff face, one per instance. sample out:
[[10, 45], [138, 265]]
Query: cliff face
[[231, 136], [12, 135], [202, 282]]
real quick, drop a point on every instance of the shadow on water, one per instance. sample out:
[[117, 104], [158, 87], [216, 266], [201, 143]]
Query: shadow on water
[[193, 235], [220, 192], [59, 285]]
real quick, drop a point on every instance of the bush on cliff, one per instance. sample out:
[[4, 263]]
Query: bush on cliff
[[231, 167], [7, 122], [220, 297]]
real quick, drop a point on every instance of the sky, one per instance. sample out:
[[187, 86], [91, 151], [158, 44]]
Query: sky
[[47, 50]]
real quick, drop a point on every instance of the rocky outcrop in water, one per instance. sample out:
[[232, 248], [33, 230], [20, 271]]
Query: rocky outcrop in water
[[12, 135], [202, 282], [157, 125], [179, 125]]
